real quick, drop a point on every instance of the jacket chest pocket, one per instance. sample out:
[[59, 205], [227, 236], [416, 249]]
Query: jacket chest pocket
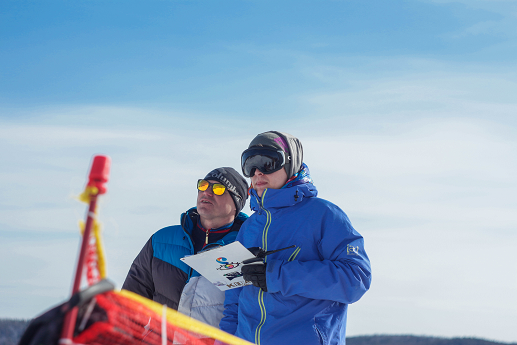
[[294, 254]]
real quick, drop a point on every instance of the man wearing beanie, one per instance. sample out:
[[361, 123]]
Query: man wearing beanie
[[158, 273], [300, 294]]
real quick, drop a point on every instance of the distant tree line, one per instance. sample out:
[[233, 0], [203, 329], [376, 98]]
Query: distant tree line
[[11, 331], [417, 340]]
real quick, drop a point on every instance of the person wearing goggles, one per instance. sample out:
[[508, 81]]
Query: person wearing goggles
[[158, 273], [265, 167], [317, 263]]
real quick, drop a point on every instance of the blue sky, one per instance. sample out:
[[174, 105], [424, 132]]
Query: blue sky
[[406, 110], [220, 55]]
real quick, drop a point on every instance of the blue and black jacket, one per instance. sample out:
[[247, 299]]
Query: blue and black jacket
[[158, 273]]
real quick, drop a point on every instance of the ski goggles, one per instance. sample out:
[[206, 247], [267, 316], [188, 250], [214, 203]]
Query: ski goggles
[[264, 159], [217, 188]]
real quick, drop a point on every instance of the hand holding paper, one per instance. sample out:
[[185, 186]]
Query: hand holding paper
[[222, 266]]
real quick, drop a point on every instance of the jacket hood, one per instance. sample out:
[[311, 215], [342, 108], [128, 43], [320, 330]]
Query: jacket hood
[[295, 151], [285, 142]]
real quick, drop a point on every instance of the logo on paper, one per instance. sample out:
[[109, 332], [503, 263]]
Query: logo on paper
[[222, 260], [233, 275], [225, 265], [229, 266]]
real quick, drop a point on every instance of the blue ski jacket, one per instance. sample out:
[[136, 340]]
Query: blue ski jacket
[[308, 286], [158, 273]]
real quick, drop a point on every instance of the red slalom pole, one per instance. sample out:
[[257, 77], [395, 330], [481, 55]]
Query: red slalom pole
[[96, 185]]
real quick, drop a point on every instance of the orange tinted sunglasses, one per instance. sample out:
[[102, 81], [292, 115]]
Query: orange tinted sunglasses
[[217, 188]]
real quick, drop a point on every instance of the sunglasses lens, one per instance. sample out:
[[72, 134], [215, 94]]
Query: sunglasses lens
[[202, 185], [218, 189]]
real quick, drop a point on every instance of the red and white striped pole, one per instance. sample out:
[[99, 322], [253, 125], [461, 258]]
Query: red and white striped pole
[[96, 186]]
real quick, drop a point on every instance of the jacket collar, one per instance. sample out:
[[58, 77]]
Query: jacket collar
[[189, 219], [276, 198]]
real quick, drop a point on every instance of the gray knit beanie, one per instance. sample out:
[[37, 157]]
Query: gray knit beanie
[[234, 183]]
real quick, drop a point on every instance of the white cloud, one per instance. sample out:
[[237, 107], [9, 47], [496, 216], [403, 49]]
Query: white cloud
[[503, 26], [424, 167], [424, 164]]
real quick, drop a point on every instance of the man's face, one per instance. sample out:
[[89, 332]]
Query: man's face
[[262, 181], [213, 207]]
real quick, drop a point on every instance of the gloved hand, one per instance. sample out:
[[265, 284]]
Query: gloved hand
[[256, 274]]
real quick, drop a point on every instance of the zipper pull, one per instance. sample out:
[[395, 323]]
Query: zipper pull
[[206, 240]]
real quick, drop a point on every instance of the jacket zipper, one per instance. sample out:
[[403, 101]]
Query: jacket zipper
[[206, 239], [262, 316], [261, 303], [191, 244], [230, 229], [268, 223]]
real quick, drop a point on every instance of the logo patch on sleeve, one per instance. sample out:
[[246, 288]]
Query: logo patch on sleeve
[[351, 250]]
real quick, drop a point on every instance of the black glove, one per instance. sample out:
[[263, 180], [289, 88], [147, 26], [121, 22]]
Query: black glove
[[256, 274]]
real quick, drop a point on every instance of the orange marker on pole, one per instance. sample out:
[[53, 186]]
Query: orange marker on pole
[[97, 179]]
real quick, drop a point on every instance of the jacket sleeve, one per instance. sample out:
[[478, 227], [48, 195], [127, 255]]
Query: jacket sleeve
[[139, 278], [342, 273], [229, 321]]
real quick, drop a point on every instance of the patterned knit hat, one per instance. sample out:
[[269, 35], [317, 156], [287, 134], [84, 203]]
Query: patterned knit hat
[[234, 182]]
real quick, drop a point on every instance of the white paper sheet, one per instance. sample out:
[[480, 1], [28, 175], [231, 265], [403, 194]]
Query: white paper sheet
[[222, 265]]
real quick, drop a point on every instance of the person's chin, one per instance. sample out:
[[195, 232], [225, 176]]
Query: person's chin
[[260, 190]]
